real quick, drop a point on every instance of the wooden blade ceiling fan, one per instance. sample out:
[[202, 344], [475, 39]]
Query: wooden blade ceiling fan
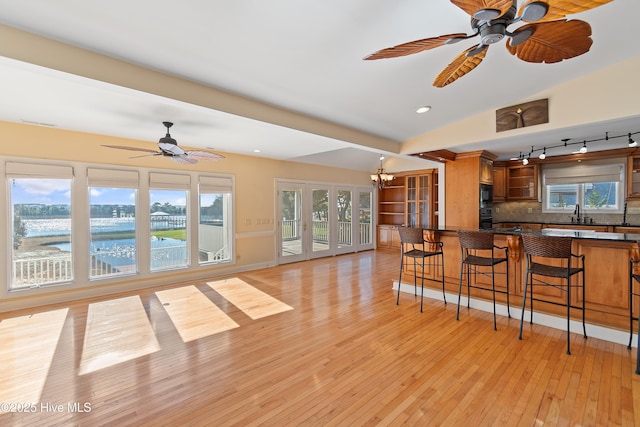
[[167, 146], [546, 37]]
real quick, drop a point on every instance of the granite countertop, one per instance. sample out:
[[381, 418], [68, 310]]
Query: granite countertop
[[576, 234], [581, 224]]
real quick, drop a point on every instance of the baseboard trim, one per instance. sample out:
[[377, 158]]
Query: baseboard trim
[[596, 331]]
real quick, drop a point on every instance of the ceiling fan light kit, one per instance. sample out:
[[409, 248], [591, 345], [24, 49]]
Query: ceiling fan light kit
[[167, 138], [545, 38]]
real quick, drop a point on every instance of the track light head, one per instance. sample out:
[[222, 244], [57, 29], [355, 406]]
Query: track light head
[[583, 149], [632, 142]]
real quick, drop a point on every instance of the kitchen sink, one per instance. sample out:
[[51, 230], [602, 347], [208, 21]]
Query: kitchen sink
[[567, 232]]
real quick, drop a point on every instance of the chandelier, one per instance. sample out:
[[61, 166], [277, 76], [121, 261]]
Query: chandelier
[[381, 178]]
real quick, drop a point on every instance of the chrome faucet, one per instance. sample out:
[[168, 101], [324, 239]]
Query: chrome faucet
[[577, 213]]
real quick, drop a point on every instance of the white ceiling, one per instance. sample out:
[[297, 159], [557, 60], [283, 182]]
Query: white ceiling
[[301, 56]]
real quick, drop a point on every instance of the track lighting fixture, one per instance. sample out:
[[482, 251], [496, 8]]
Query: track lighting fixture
[[542, 152], [543, 155], [583, 149]]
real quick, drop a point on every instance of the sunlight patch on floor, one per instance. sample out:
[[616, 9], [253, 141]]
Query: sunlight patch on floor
[[193, 314], [253, 302], [27, 346], [117, 330]]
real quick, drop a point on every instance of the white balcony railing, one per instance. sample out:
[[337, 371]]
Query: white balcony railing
[[291, 231], [30, 272], [168, 257]]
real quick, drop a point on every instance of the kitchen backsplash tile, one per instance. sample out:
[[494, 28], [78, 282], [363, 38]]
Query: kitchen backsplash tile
[[532, 212]]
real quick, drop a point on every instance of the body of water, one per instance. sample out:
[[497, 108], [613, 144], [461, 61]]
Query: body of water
[[116, 252], [122, 252], [62, 226]]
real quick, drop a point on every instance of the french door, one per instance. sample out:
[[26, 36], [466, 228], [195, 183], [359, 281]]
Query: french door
[[316, 220]]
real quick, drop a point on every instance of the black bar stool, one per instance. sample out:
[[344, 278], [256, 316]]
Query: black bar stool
[[538, 246], [633, 292], [475, 247], [409, 239]]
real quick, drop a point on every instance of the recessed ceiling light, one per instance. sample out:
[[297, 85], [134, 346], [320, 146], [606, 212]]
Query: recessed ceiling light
[[256, 150], [423, 109]]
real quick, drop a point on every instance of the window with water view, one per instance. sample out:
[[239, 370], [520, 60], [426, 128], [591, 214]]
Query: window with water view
[[168, 225], [46, 237], [41, 230], [112, 250]]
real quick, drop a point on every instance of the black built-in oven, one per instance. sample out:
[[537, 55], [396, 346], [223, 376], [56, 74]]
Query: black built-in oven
[[486, 206]]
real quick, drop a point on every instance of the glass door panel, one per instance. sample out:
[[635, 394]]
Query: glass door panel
[[364, 217], [412, 208], [291, 227], [411, 188], [411, 214], [424, 214], [320, 223], [423, 193], [423, 201], [345, 229], [317, 220]]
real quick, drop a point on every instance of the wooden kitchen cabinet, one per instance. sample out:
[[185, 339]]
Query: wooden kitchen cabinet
[[486, 171], [499, 183], [522, 182], [420, 200], [391, 212], [626, 229], [633, 177], [606, 281], [391, 203], [579, 227], [388, 236], [410, 200], [462, 187]]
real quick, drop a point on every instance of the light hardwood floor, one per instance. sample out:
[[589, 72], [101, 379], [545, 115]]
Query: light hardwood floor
[[339, 351]]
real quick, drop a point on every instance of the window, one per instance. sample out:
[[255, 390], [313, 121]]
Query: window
[[215, 225], [40, 224], [597, 187], [112, 210], [53, 242], [168, 221]]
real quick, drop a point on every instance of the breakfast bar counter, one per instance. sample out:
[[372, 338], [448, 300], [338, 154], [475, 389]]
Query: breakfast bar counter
[[607, 270]]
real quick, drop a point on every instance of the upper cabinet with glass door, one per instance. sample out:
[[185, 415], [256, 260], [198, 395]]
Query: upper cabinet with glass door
[[420, 205]]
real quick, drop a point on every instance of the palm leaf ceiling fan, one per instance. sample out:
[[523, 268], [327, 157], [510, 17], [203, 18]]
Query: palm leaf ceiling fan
[[546, 36], [167, 146]]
